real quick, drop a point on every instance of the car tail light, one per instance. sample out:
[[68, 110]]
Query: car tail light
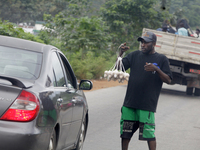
[[195, 71], [24, 108]]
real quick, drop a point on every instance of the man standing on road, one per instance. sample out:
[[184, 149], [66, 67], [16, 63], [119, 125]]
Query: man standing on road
[[148, 71]]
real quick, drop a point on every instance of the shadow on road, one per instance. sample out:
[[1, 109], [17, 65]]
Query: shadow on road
[[178, 93], [173, 92]]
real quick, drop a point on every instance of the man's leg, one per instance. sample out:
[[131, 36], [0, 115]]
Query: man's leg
[[152, 145], [147, 128], [125, 143], [128, 126]]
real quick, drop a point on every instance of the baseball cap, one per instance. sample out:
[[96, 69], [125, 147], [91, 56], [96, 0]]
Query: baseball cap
[[148, 37]]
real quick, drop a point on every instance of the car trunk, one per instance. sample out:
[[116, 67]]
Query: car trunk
[[7, 96]]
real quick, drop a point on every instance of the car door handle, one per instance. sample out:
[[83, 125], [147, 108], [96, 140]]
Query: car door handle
[[60, 100]]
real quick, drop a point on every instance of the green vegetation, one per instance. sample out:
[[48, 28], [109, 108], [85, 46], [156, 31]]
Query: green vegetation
[[9, 29], [89, 32], [17, 11], [127, 18], [186, 9]]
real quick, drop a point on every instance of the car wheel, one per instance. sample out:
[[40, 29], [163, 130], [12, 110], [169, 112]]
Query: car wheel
[[52, 142], [189, 90], [197, 92], [81, 138]]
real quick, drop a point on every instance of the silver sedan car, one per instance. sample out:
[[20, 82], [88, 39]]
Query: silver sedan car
[[42, 106]]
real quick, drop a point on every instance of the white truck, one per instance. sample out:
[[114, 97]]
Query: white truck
[[184, 57]]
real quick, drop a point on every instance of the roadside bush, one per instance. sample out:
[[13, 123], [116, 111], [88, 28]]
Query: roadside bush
[[89, 67]]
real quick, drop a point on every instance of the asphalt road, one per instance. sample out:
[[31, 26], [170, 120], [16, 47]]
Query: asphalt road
[[177, 120]]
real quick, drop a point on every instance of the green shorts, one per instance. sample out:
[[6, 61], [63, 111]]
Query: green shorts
[[132, 119]]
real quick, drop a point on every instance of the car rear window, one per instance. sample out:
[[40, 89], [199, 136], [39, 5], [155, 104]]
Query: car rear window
[[20, 63]]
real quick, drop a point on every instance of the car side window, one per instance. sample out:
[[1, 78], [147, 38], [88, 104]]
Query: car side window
[[59, 80], [69, 75]]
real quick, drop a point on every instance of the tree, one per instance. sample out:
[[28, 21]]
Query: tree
[[76, 30], [85, 34], [29, 11], [127, 18], [83, 39], [185, 9]]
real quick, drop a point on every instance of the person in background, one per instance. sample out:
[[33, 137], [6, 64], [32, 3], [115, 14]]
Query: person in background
[[159, 29], [166, 23], [164, 28], [184, 24], [196, 35], [182, 31]]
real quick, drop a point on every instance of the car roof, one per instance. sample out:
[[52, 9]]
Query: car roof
[[22, 44]]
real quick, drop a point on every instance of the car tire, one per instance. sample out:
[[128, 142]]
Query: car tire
[[81, 138], [52, 142], [197, 92], [189, 90]]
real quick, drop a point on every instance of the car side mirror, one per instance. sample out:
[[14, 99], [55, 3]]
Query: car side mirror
[[85, 85]]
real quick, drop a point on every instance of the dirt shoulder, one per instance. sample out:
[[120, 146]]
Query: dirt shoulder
[[100, 84]]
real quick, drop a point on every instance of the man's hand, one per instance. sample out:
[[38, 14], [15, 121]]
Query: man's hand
[[123, 48], [150, 67]]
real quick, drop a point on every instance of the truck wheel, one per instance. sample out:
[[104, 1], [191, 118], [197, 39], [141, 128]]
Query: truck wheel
[[189, 90], [197, 92]]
